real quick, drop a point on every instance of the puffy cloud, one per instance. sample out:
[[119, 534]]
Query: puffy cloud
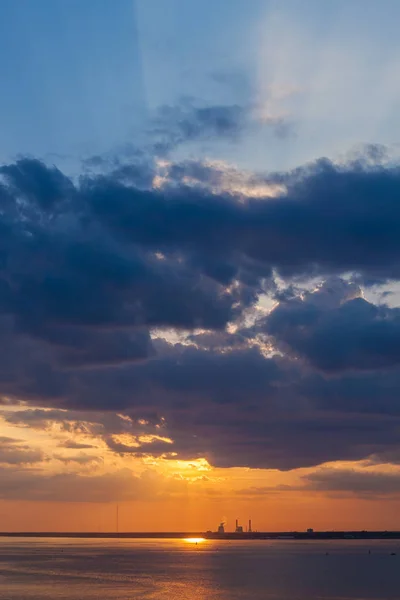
[[90, 270], [217, 177], [105, 253], [335, 329], [331, 218]]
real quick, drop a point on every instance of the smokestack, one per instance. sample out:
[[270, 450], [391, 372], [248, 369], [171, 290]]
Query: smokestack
[[249, 525], [237, 524]]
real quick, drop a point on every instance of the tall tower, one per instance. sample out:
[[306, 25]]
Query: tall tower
[[239, 528], [249, 525]]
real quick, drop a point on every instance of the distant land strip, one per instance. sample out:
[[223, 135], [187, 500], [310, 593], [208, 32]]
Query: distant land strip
[[256, 535]]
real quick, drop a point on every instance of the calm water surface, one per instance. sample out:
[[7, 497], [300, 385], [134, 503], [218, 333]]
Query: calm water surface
[[39, 569]]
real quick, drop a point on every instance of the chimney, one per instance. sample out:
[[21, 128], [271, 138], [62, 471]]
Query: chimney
[[249, 525]]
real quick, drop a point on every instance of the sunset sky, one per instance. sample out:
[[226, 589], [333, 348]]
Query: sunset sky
[[200, 264]]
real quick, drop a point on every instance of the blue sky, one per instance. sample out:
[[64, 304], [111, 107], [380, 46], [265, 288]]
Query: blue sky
[[79, 76], [71, 76]]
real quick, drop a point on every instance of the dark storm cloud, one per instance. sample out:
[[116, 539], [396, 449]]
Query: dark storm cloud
[[64, 266], [109, 254], [31, 180], [280, 438], [336, 332], [331, 219], [88, 270], [234, 407], [374, 393], [179, 379], [85, 348]]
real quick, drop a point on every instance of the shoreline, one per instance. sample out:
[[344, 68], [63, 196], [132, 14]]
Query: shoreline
[[287, 536]]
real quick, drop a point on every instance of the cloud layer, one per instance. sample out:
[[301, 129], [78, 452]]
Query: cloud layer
[[98, 276]]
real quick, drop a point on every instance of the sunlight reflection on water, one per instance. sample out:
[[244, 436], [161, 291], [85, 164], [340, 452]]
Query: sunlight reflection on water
[[44, 569]]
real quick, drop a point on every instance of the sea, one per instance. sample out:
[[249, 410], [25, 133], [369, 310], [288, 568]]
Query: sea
[[104, 569]]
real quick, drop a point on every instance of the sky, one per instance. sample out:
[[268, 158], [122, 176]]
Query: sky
[[199, 265]]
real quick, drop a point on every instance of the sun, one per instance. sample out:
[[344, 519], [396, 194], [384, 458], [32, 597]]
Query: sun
[[194, 540]]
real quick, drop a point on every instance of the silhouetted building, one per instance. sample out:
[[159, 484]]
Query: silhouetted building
[[221, 528], [238, 528]]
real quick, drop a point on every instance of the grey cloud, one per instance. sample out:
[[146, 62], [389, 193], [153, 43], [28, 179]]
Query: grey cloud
[[74, 445], [83, 348], [31, 180], [365, 484], [89, 270], [360, 483], [129, 167], [391, 456], [192, 121], [233, 406], [80, 459], [187, 122], [14, 452], [7, 440], [354, 206], [182, 378], [374, 393], [288, 442], [105, 253], [89, 422], [267, 490], [335, 331], [122, 485], [153, 448]]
